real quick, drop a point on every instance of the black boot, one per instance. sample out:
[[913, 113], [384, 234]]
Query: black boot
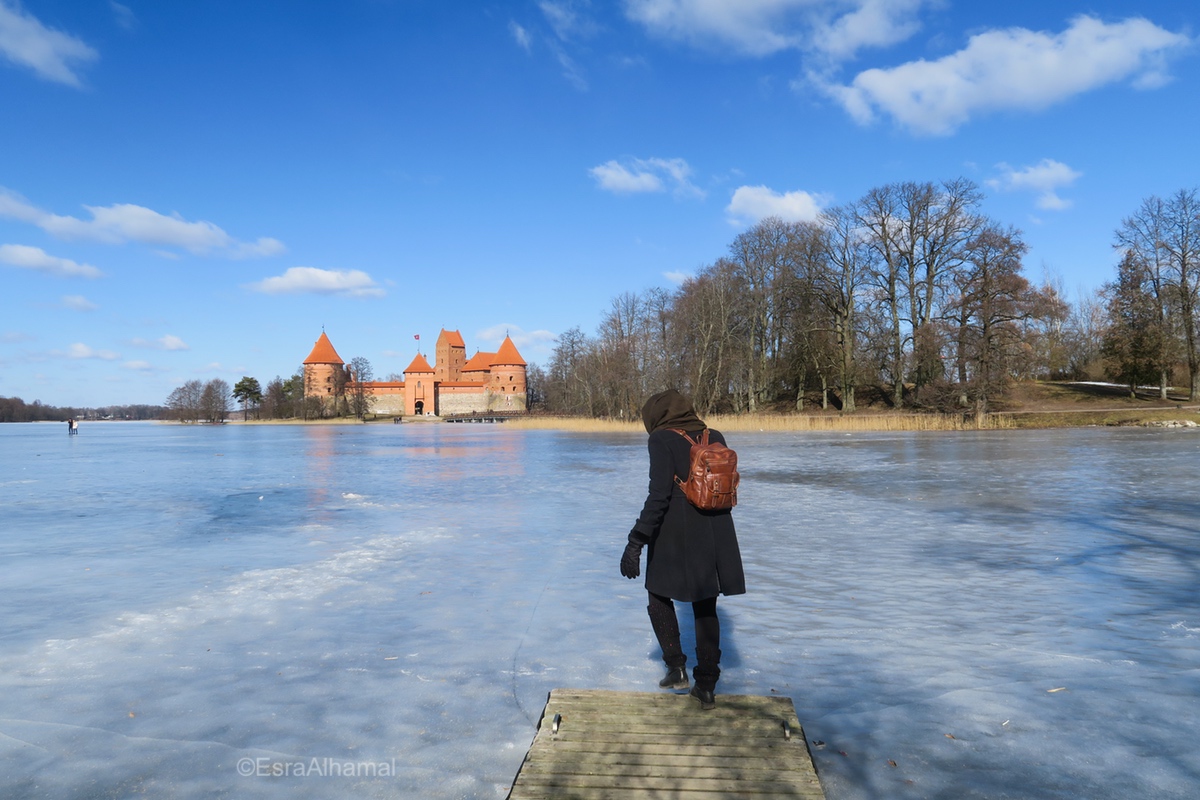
[[676, 678], [708, 700], [706, 674], [666, 630]]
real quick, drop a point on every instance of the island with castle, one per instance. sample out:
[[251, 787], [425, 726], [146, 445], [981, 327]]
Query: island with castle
[[484, 383]]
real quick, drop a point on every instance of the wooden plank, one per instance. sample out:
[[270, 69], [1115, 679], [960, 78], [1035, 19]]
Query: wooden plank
[[631, 745], [577, 743]]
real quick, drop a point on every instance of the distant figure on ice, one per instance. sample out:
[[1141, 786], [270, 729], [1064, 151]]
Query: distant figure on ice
[[72, 427], [693, 554]]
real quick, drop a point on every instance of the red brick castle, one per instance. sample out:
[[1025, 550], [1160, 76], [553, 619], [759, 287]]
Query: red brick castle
[[453, 385]]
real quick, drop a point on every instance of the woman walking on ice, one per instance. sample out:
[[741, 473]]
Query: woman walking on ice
[[693, 554]]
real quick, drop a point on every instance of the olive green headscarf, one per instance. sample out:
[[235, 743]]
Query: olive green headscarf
[[670, 409]]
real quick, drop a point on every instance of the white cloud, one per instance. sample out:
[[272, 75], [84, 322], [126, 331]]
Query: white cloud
[[217, 366], [646, 175], [874, 23], [521, 338], [51, 54], [35, 258], [311, 280], [521, 36], [124, 15], [1015, 69], [677, 278], [617, 178], [569, 18], [77, 302], [13, 337], [751, 204], [139, 366], [263, 247], [168, 342], [571, 70], [80, 350], [124, 222], [754, 27], [1043, 178], [836, 29]]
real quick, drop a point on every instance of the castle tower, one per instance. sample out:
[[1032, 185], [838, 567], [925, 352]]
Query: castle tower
[[420, 395], [449, 355], [324, 370], [507, 384], [479, 368]]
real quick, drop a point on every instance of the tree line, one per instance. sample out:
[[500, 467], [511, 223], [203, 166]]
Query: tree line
[[197, 401], [910, 294], [1154, 302], [14, 409], [282, 398]]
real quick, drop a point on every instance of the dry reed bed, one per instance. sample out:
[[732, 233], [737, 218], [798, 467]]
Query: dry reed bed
[[791, 422]]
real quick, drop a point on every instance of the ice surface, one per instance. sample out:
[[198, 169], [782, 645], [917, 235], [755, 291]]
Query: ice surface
[[1000, 614]]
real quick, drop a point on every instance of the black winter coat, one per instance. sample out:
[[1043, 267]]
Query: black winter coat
[[693, 554]]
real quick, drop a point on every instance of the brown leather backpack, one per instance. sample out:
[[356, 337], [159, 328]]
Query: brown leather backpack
[[712, 474]]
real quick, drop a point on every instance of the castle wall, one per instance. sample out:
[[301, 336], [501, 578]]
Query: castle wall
[[387, 397], [476, 398], [498, 401], [388, 404], [464, 402]]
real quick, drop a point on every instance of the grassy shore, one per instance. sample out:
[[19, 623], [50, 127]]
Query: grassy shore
[[1031, 405], [781, 422]]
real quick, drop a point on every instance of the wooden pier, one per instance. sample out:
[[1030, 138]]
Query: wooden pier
[[596, 745]]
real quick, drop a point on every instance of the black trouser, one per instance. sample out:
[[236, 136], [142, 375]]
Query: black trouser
[[708, 637]]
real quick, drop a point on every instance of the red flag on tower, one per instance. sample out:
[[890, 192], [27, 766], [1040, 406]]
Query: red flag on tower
[[417, 336]]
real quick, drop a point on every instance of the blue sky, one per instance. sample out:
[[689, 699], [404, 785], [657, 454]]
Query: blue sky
[[193, 189]]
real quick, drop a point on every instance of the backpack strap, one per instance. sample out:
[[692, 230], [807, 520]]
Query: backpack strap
[[703, 437], [703, 440]]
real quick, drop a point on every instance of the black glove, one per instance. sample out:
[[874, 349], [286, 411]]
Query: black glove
[[632, 557], [631, 561]]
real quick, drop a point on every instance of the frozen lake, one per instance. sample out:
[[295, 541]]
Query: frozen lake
[[997, 614]]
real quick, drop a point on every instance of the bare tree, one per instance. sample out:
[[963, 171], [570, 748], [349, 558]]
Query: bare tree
[[706, 324], [214, 401], [360, 399], [764, 258], [919, 233], [568, 386], [1084, 336], [535, 387], [185, 402], [879, 213], [992, 298], [619, 355], [275, 404], [837, 282]]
